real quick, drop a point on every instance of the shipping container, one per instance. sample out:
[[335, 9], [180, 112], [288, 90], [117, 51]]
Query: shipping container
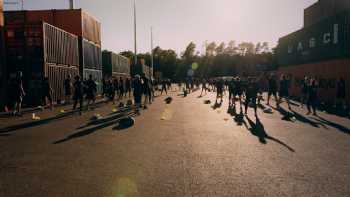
[[90, 55], [115, 65], [41, 50], [1, 13], [326, 40], [326, 72], [324, 9], [76, 21]]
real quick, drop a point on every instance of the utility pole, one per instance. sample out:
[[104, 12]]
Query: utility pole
[[151, 70], [71, 4], [135, 44]]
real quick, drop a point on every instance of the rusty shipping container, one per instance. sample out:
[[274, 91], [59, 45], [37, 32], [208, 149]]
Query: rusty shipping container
[[2, 58], [115, 65], [41, 50], [327, 73], [76, 21]]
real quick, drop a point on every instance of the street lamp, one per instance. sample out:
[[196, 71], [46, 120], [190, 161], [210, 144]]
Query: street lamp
[[135, 41]]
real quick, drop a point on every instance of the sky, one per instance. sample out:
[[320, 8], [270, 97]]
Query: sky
[[178, 22]]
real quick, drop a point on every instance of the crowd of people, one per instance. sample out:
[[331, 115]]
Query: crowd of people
[[248, 91]]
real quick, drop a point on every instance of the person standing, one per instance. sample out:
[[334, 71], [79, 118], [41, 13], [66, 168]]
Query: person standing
[[304, 91], [67, 90], [238, 92], [145, 89], [341, 92], [231, 93], [128, 87], [78, 94], [204, 87], [46, 92], [18, 94], [284, 91], [251, 92], [164, 88], [137, 87], [219, 90], [312, 97], [121, 88], [272, 89], [110, 90], [91, 89]]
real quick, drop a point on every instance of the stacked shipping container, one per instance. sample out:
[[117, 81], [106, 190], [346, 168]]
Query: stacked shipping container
[[77, 22], [41, 50], [115, 65], [321, 50], [2, 57]]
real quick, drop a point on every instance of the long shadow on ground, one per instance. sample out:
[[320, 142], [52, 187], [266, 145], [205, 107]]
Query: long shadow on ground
[[257, 129], [100, 124], [333, 124]]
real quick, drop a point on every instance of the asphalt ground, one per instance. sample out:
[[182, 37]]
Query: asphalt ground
[[185, 148]]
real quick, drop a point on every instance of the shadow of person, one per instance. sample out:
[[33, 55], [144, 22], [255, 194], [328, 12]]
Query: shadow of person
[[257, 129], [303, 119], [239, 119], [333, 124]]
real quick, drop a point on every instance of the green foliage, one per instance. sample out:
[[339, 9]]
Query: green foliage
[[219, 60]]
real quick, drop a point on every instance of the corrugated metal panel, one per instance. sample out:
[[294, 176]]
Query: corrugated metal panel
[[60, 47], [91, 55], [322, 41], [26, 52], [57, 74]]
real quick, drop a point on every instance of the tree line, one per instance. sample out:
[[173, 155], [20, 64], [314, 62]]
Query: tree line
[[223, 59]]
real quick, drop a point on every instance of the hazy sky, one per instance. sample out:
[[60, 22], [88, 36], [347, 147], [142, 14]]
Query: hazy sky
[[177, 22]]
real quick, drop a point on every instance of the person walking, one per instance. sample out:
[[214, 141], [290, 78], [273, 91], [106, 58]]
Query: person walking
[[91, 89], [272, 89], [341, 93], [231, 93], [238, 92], [284, 91], [78, 95], [137, 90], [251, 92], [312, 97], [46, 92], [67, 90], [128, 87], [18, 94], [164, 88], [121, 88], [145, 90], [219, 90], [204, 87], [304, 91]]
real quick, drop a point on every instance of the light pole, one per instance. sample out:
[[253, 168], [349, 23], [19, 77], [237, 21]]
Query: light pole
[[135, 41], [151, 70]]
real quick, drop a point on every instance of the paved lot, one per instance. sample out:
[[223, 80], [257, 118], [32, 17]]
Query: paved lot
[[187, 148]]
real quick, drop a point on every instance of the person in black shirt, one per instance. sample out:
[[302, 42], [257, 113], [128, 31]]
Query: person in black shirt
[[341, 92], [78, 93], [284, 91], [312, 96], [231, 93], [91, 89], [238, 91], [17, 93], [272, 89], [46, 92], [164, 87], [204, 87], [121, 88], [110, 90], [128, 87], [67, 89], [138, 91], [304, 91], [219, 90], [145, 89], [251, 92]]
